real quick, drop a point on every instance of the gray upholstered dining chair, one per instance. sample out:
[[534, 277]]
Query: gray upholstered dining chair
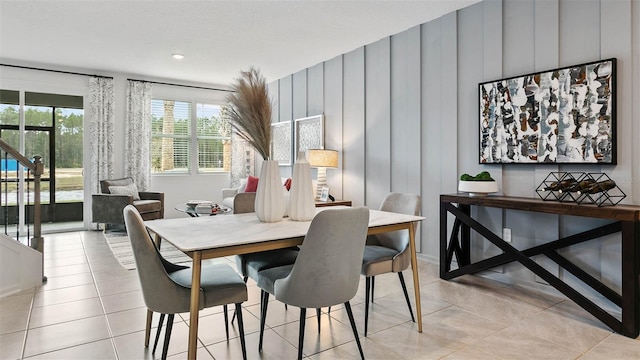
[[166, 287], [389, 252], [250, 264], [326, 271]]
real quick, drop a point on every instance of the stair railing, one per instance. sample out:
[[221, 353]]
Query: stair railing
[[36, 169]]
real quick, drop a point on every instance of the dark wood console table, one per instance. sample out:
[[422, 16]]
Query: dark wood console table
[[626, 220]]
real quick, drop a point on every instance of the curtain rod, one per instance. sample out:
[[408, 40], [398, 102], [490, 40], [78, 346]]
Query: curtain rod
[[56, 71], [188, 86]]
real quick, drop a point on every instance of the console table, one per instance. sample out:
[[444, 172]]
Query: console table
[[625, 219]]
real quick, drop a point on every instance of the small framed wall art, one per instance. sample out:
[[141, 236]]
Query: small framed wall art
[[565, 115], [281, 142], [309, 133]]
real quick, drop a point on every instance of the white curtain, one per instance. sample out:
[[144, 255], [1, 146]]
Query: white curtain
[[101, 120], [137, 134]]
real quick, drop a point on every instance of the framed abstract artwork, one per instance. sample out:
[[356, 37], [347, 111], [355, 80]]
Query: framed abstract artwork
[[564, 116], [309, 133], [281, 142]]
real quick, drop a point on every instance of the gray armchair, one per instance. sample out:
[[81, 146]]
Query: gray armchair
[[107, 207]]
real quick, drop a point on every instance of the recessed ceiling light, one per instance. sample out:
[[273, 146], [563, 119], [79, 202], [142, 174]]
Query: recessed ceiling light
[[177, 56]]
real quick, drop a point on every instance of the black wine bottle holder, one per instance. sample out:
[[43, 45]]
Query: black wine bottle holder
[[581, 188]]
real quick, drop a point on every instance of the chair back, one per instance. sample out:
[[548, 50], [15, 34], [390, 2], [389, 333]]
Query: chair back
[[327, 269], [105, 184], [401, 203], [161, 294]]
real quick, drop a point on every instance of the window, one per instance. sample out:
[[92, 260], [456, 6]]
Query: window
[[178, 138]]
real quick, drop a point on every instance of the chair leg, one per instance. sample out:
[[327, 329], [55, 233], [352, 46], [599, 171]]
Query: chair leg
[[226, 320], [147, 331], [373, 286], [241, 328], [366, 304], [244, 278], [264, 301], [167, 336], [155, 343], [303, 316], [406, 295], [347, 306], [318, 314]]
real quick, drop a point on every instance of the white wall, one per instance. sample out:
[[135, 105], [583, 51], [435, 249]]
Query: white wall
[[402, 112]]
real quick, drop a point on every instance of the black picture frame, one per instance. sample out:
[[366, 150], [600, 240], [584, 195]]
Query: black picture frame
[[559, 116]]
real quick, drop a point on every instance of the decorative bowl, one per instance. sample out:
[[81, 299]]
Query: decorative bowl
[[478, 188]]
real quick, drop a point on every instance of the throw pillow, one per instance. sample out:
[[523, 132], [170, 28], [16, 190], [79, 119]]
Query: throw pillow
[[252, 184], [243, 185], [287, 184], [131, 190]]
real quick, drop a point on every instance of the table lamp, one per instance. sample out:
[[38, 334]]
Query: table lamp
[[322, 159]]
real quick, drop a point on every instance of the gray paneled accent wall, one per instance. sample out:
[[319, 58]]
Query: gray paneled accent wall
[[403, 113]]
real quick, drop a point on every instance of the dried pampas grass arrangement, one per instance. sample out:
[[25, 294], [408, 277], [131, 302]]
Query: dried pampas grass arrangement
[[250, 112]]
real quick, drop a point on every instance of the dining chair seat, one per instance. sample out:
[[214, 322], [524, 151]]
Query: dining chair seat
[[219, 285], [252, 264], [378, 260]]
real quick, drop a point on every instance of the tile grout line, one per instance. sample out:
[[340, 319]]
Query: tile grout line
[[26, 330], [104, 312]]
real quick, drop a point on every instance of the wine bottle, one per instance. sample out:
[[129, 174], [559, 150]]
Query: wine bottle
[[600, 187]]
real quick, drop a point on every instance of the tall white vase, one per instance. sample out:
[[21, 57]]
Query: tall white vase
[[302, 206], [270, 204]]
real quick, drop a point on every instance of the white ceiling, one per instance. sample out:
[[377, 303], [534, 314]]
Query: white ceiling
[[218, 38]]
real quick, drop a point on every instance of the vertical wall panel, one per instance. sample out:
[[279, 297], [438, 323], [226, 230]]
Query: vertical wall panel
[[315, 90], [579, 31], [285, 111], [470, 73], [378, 122], [615, 18], [432, 135], [449, 101], [354, 127], [299, 95], [285, 108], [274, 93], [333, 121], [405, 111]]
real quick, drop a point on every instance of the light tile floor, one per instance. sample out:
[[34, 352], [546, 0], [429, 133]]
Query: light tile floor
[[92, 308]]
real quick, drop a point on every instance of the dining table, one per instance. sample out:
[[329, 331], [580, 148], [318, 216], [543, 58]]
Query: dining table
[[218, 236]]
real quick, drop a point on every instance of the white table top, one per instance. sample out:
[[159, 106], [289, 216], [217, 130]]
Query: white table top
[[210, 232]]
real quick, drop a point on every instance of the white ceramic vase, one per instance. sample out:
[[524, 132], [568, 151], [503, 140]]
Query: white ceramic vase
[[270, 204], [302, 206]]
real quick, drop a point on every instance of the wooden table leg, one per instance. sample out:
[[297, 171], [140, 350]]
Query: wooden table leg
[[416, 280], [147, 332], [158, 241], [195, 305]]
